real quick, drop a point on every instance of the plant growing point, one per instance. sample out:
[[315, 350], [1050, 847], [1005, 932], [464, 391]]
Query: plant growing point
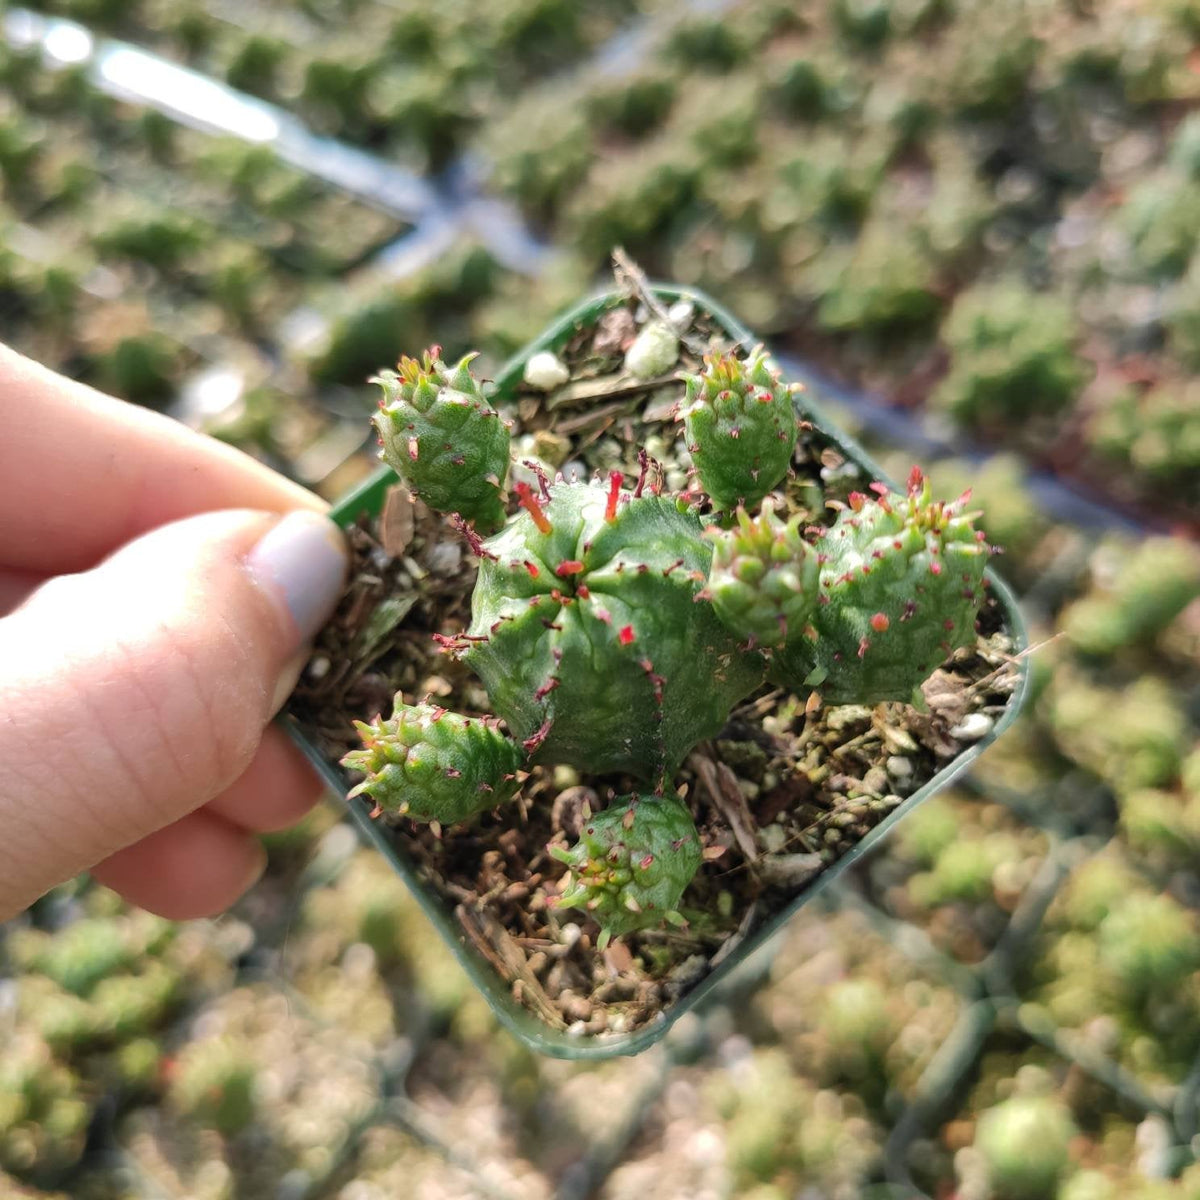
[[429, 764], [443, 438], [764, 578], [632, 864], [901, 583], [586, 631], [740, 424]]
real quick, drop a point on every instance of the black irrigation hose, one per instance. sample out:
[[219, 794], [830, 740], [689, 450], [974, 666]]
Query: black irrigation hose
[[948, 1068]]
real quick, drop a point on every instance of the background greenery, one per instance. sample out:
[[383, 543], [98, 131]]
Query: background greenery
[[974, 224]]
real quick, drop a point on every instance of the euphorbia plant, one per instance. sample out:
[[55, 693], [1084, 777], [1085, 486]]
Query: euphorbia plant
[[615, 625]]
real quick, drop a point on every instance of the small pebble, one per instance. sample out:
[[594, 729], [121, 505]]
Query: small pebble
[[445, 558], [654, 352], [773, 838], [899, 767], [551, 447], [680, 314], [546, 371], [973, 727], [876, 781], [565, 776]]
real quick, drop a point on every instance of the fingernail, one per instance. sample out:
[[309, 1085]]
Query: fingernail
[[302, 560], [289, 677]]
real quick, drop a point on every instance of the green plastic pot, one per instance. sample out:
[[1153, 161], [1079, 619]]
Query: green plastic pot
[[369, 497]]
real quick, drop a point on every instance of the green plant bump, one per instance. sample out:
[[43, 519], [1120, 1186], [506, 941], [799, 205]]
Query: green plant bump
[[443, 438], [764, 577], [901, 584], [740, 425], [632, 864], [429, 764]]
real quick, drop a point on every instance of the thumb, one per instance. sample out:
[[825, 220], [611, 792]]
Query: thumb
[[133, 693]]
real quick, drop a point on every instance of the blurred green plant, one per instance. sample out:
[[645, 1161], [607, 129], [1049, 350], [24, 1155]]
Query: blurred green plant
[[1012, 356]]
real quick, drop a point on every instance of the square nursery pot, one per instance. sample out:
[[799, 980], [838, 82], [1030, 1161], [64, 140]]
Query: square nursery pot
[[377, 621]]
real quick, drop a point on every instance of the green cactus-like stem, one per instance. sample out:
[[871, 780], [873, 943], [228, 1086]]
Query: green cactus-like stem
[[764, 577], [740, 425], [586, 631], [433, 765], [901, 585], [443, 438], [632, 864]]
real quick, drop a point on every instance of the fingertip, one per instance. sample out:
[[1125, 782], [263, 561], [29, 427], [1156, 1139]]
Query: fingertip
[[276, 790], [196, 867]]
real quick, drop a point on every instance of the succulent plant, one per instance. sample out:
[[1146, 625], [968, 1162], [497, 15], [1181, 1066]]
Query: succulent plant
[[615, 628], [212, 1081], [1162, 218], [964, 870], [443, 438], [740, 426], [1012, 355], [541, 149], [1131, 737], [586, 633], [1150, 943], [721, 136], [828, 181], [764, 577], [1155, 434], [1025, 1143], [985, 62], [865, 24], [901, 582], [1161, 823], [1154, 584], [433, 765], [631, 201], [43, 1115], [781, 1129], [632, 864], [1182, 317], [883, 284], [80, 956], [136, 1004]]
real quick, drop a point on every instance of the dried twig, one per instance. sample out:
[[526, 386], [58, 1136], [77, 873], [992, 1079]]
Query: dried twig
[[631, 278], [722, 787], [495, 943]]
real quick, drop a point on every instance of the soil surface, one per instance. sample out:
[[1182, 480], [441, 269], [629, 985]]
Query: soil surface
[[787, 788]]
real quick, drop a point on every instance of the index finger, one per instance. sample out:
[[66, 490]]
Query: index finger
[[82, 473]]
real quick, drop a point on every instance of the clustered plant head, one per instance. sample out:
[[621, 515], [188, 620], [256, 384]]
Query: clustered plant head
[[615, 625]]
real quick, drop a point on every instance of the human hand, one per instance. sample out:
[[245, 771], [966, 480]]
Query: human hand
[[153, 612]]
